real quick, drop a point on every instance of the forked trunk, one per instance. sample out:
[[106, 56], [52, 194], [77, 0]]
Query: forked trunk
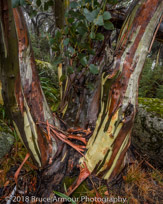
[[41, 132]]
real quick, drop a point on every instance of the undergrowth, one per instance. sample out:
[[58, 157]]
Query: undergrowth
[[139, 183]]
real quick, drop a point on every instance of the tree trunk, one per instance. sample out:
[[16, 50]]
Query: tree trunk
[[111, 137], [107, 146], [21, 90], [59, 11], [45, 136]]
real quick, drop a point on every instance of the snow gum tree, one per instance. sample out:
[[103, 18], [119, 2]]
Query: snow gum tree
[[112, 106]]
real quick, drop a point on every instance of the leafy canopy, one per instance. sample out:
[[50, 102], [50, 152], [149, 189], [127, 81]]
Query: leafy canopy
[[85, 22]]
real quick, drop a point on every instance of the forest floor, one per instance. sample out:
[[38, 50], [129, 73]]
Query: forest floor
[[138, 183]]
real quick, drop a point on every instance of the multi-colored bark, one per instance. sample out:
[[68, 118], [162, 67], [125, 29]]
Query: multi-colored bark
[[21, 90], [111, 137], [30, 97]]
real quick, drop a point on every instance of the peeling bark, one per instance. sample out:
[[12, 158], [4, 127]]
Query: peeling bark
[[118, 17], [111, 137], [32, 104], [21, 90]]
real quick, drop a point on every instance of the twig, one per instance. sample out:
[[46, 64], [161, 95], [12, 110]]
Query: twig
[[150, 165], [19, 169], [76, 147]]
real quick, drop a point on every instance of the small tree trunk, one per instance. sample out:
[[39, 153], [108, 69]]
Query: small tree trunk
[[25, 101], [59, 11], [21, 90]]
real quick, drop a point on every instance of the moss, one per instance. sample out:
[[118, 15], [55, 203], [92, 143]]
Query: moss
[[43, 65], [83, 189], [154, 105], [4, 127]]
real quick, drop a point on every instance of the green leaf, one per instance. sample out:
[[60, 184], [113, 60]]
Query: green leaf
[[81, 55], [71, 50], [108, 25], [92, 35], [62, 78], [70, 70], [91, 16], [73, 5], [33, 13], [65, 187], [57, 34], [99, 21], [99, 36], [58, 60], [65, 196], [51, 41], [51, 3], [106, 15], [67, 54], [70, 20], [93, 69], [81, 29], [66, 30], [84, 61], [95, 12], [86, 11], [46, 6], [66, 41], [87, 14], [66, 14], [15, 3], [84, 39], [55, 107], [38, 2], [73, 14]]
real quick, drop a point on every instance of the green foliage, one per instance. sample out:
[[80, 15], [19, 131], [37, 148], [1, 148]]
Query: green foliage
[[85, 20], [151, 83], [49, 83], [93, 69], [41, 47], [16, 3], [43, 4], [50, 90], [66, 198]]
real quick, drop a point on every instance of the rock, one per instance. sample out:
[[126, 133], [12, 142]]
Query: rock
[[6, 139], [147, 134]]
